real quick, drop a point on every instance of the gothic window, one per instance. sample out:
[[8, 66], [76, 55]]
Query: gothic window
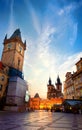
[[18, 62], [20, 49], [0, 87], [9, 46]]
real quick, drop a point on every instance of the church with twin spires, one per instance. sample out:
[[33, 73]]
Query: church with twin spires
[[52, 91]]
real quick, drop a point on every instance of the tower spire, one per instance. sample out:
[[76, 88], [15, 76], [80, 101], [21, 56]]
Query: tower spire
[[58, 84], [50, 82], [16, 33]]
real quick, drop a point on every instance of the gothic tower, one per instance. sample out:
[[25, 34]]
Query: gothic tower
[[13, 57], [51, 90], [13, 51], [58, 84]]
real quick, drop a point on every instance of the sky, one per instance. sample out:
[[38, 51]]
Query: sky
[[53, 33]]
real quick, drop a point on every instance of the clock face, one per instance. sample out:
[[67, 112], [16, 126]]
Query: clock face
[[27, 96]]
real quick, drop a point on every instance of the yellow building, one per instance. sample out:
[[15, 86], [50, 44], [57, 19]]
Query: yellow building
[[77, 78], [35, 103], [73, 83], [69, 90], [38, 103]]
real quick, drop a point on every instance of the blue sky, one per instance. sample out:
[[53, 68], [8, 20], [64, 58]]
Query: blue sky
[[53, 31]]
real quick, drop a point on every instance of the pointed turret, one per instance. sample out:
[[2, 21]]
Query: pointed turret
[[16, 33], [58, 80], [58, 84], [5, 37], [50, 82]]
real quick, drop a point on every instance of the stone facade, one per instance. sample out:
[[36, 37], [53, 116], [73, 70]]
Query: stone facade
[[13, 57], [46, 104], [69, 90], [13, 52], [53, 91], [73, 83], [77, 78], [16, 93]]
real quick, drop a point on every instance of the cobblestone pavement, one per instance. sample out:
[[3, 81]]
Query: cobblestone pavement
[[40, 120]]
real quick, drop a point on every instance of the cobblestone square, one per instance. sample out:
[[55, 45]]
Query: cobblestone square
[[40, 120]]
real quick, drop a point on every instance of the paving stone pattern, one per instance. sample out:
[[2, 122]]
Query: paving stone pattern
[[40, 120]]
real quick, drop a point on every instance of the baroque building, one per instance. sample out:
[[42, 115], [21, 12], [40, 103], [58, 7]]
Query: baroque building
[[77, 79], [13, 57], [69, 86], [53, 91], [73, 83]]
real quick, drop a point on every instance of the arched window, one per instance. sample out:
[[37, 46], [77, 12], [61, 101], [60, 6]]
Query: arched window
[[9, 46], [20, 49]]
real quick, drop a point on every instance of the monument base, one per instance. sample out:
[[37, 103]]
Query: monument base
[[15, 108]]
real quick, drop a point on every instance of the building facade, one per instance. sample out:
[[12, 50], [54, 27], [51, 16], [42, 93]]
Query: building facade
[[13, 51], [3, 84], [37, 103], [69, 90], [77, 78], [53, 91], [13, 57], [73, 83]]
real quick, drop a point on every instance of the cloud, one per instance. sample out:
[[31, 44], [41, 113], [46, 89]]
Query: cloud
[[69, 8], [44, 44], [11, 21], [35, 20], [61, 12], [34, 16], [38, 59], [41, 60], [65, 10], [68, 64], [74, 34]]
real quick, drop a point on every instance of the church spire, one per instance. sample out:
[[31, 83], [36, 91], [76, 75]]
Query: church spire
[[58, 84], [50, 82], [58, 81]]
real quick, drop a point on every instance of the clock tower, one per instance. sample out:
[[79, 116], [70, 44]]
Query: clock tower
[[13, 51], [13, 57]]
